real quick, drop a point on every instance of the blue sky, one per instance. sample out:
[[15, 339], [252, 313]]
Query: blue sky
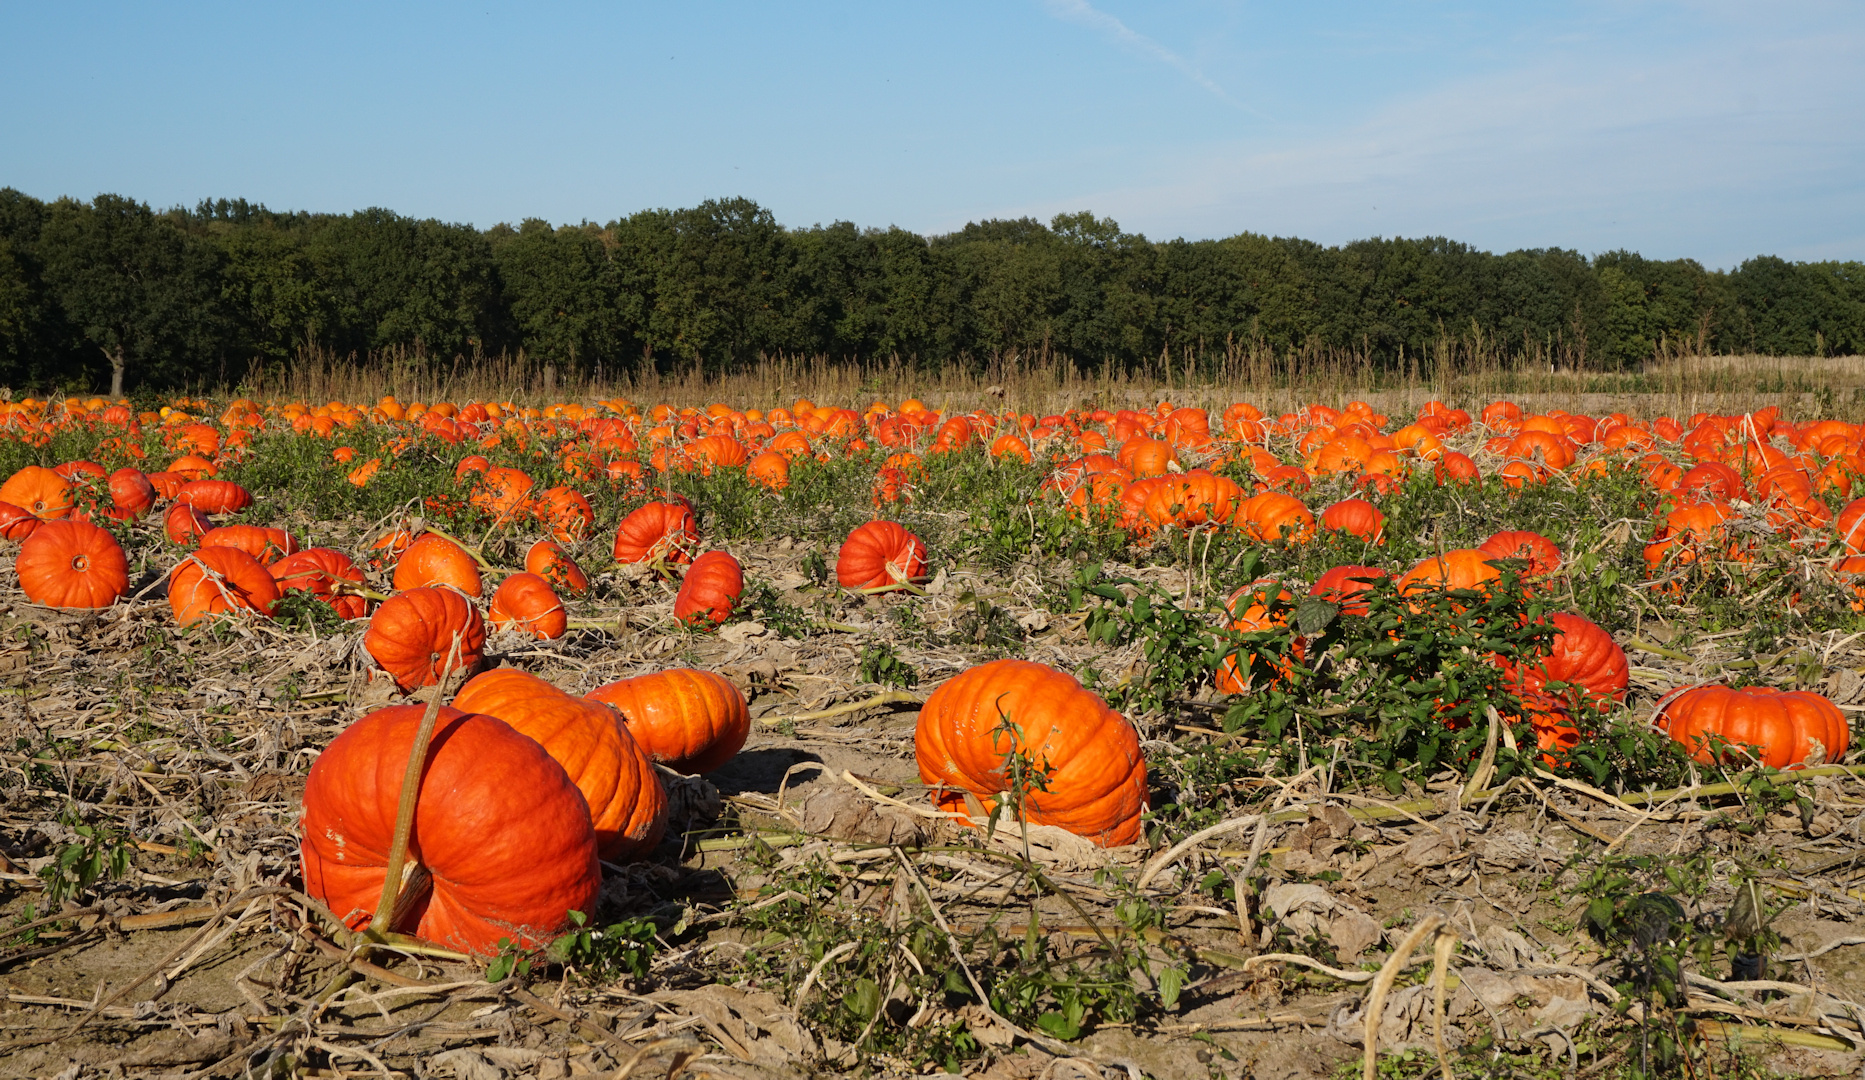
[[1708, 130]]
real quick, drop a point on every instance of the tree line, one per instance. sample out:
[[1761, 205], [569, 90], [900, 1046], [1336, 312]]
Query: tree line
[[112, 293]]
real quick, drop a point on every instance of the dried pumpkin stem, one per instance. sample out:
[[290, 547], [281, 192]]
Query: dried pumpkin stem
[[410, 793]]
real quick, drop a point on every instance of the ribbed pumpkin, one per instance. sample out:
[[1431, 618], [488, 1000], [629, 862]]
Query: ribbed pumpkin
[[1095, 776], [316, 571], [131, 494], [710, 590], [878, 554], [1344, 585], [568, 514], [526, 603], [219, 581], [627, 804], [262, 543], [39, 491], [435, 560], [1191, 500], [1276, 515], [1580, 654], [690, 721], [657, 531], [548, 560], [502, 834], [411, 634], [72, 564], [1356, 517], [1789, 729], [1464, 568], [215, 496], [1542, 554]]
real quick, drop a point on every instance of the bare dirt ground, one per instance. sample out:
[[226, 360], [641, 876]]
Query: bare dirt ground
[[203, 959]]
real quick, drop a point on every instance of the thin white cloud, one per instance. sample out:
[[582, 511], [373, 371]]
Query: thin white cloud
[[1082, 13], [1721, 156]]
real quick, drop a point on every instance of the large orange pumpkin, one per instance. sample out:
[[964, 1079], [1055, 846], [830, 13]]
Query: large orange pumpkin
[[219, 581], [1542, 554], [1464, 568], [131, 494], [502, 834], [39, 491], [215, 496], [627, 804], [691, 721], [657, 531], [184, 525], [1789, 729], [879, 554], [72, 564], [316, 571], [1358, 517], [710, 589], [435, 560], [412, 633], [262, 543], [1580, 654], [1094, 773], [526, 603]]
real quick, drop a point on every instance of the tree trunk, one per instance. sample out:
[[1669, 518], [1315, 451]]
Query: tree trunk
[[116, 370], [550, 379]]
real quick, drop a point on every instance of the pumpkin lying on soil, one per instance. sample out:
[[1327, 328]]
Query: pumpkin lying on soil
[[501, 836]]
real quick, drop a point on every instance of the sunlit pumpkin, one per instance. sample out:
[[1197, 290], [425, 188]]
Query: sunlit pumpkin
[[1787, 729]]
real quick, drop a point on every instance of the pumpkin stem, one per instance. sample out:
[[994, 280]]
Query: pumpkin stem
[[898, 586], [350, 588], [391, 902]]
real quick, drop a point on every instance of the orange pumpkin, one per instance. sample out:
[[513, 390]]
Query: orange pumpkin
[[72, 564], [1276, 515], [1344, 585], [131, 494], [433, 559], [710, 590], [1094, 774], [1357, 517], [879, 554], [218, 581], [39, 491], [568, 514], [1789, 730], [526, 603], [184, 525], [658, 531], [215, 496], [412, 634], [316, 571], [627, 804], [769, 469], [691, 721], [16, 523], [266, 545], [1259, 601], [502, 834], [1542, 554], [548, 560], [1464, 568], [1582, 655]]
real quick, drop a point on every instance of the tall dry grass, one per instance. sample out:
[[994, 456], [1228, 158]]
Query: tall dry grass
[[1679, 385]]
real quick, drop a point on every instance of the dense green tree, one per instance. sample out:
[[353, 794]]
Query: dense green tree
[[166, 297], [140, 289], [557, 283]]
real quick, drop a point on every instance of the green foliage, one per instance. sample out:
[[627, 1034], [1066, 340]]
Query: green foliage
[[99, 853], [603, 954], [880, 664]]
